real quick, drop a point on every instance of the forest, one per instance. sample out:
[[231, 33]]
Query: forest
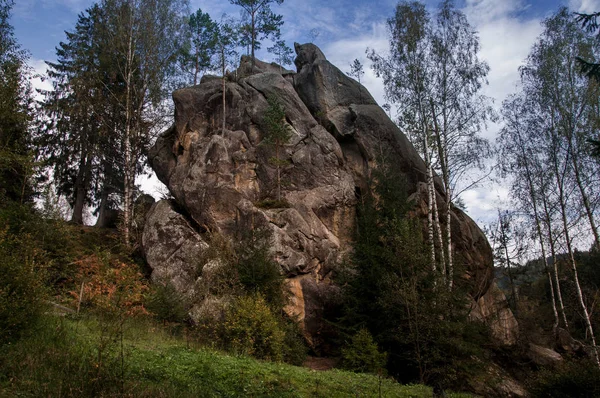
[[84, 310]]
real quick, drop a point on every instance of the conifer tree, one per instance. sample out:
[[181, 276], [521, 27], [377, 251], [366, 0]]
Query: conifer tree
[[262, 22], [277, 135], [202, 45]]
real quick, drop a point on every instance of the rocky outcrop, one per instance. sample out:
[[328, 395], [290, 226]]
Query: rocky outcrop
[[172, 247], [219, 179], [543, 356], [492, 308]]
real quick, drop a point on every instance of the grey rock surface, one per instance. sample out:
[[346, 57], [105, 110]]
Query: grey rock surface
[[172, 247]]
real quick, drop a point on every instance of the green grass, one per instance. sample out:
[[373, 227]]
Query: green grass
[[79, 358]]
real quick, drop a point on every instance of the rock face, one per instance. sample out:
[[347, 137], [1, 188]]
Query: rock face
[[219, 178], [492, 308]]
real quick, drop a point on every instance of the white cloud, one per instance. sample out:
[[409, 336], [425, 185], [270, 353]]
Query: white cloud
[[39, 80], [342, 52], [586, 6]]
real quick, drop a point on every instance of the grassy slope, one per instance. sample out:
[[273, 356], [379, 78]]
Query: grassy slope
[[63, 361]]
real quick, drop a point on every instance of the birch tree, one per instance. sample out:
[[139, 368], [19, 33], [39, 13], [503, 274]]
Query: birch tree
[[459, 109], [559, 114], [406, 75], [146, 36], [433, 74]]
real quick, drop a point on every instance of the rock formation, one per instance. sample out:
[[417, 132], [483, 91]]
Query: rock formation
[[219, 178]]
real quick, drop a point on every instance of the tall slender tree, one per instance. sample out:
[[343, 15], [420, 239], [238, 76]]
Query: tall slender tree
[[283, 54], [433, 74], [202, 46], [227, 41], [556, 114], [69, 139], [263, 22], [146, 38], [278, 133]]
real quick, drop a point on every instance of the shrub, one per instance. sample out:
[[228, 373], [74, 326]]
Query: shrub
[[166, 303], [251, 328], [273, 204], [21, 287], [575, 379], [110, 285], [57, 361], [258, 273], [362, 354], [295, 349]]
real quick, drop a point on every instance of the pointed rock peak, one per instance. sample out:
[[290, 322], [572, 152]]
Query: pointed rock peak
[[307, 54]]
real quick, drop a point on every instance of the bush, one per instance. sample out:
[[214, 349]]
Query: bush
[[575, 379], [362, 354], [295, 349], [21, 287], [251, 328], [57, 361], [258, 273], [110, 285], [166, 303]]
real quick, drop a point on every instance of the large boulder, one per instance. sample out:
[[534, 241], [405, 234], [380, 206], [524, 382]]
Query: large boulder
[[220, 178]]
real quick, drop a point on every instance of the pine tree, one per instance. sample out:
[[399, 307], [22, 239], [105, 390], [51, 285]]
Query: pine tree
[[283, 54], [262, 22], [277, 134], [202, 46]]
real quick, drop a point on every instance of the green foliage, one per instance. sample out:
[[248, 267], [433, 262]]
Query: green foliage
[[362, 354], [262, 22], [62, 360], [16, 161], [251, 328], [166, 304], [283, 54], [356, 69], [277, 134], [391, 291], [294, 347], [258, 273], [272, 204], [202, 46], [277, 131], [55, 361], [573, 379], [22, 292]]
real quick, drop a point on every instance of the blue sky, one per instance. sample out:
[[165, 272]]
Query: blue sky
[[507, 29]]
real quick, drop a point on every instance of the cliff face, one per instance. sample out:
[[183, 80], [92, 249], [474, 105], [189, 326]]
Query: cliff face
[[218, 178]]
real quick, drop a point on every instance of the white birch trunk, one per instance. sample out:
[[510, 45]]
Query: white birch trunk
[[563, 212]]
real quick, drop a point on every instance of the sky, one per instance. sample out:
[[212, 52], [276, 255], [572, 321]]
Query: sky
[[507, 29]]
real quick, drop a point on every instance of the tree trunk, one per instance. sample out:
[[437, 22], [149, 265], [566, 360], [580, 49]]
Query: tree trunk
[[253, 39], [431, 195], [81, 186], [538, 228], [440, 239], [554, 262], [223, 72], [278, 172], [563, 211], [443, 155], [127, 207]]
